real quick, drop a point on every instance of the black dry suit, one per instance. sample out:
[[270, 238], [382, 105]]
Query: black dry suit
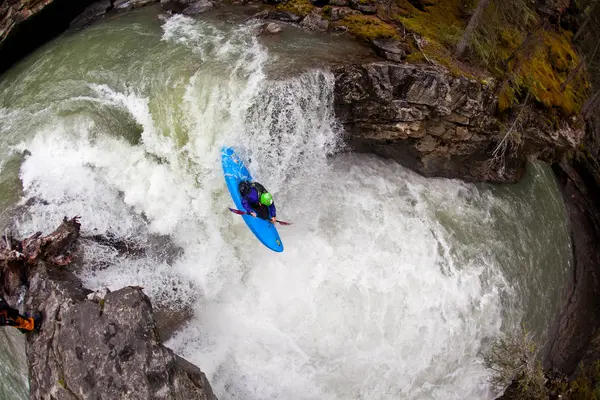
[[251, 192]]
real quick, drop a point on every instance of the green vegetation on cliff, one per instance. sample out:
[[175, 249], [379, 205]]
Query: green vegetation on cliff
[[367, 27], [546, 67], [516, 371], [511, 42], [528, 55]]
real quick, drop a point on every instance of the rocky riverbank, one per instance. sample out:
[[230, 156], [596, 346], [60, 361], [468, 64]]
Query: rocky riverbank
[[102, 345]]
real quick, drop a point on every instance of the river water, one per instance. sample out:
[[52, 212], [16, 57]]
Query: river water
[[391, 285]]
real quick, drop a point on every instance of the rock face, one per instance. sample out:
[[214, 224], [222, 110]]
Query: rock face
[[440, 125], [104, 349], [577, 336], [91, 13], [24, 25], [91, 345]]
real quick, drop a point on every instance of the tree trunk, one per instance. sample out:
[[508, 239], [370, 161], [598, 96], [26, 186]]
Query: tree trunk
[[471, 26]]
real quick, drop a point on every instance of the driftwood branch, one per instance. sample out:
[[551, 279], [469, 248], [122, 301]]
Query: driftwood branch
[[18, 256]]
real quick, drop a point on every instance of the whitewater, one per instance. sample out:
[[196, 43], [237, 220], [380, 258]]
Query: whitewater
[[391, 285]]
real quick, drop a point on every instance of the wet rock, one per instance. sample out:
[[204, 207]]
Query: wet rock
[[130, 4], [338, 13], [364, 6], [98, 295], [92, 13], [264, 14], [198, 7], [435, 123], [187, 7], [170, 320], [158, 247], [270, 28], [284, 16], [315, 22], [339, 3], [102, 349], [390, 49]]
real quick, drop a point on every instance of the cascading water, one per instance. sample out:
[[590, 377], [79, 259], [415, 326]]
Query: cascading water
[[390, 285]]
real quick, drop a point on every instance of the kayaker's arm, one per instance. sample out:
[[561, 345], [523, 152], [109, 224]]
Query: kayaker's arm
[[246, 205], [272, 210]]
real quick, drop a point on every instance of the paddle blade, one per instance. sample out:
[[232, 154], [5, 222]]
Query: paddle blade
[[233, 210]]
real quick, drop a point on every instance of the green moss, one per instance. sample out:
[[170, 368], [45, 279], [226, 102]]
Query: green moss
[[416, 57], [440, 21], [506, 97], [61, 382], [367, 27], [440, 24], [299, 7], [543, 70]]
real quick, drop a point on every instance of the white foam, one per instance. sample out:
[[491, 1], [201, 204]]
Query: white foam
[[374, 296]]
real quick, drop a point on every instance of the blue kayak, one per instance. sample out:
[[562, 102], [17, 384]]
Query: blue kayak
[[235, 171]]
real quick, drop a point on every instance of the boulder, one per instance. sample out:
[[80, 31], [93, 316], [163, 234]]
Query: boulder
[[270, 28], [92, 13], [187, 7], [390, 49], [315, 22], [102, 348]]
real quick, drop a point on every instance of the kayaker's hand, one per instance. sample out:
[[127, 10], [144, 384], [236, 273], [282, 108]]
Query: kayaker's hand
[[253, 214], [273, 220]]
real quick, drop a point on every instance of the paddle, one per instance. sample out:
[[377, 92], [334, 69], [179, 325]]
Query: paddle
[[238, 212]]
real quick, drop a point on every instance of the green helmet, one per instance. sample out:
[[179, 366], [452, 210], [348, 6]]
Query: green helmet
[[266, 199]]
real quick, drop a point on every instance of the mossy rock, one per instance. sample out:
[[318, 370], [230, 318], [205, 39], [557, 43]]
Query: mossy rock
[[298, 7], [367, 27]]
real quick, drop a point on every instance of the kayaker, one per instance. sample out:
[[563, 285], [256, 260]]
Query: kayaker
[[257, 200], [11, 317]]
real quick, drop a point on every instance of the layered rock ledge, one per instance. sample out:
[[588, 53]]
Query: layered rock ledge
[[441, 125]]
